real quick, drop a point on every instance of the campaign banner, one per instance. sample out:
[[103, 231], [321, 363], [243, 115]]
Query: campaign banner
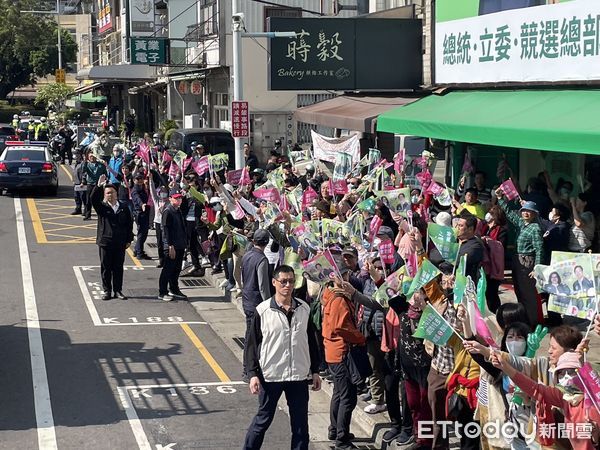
[[570, 279], [236, 177], [492, 41], [318, 269], [292, 259], [460, 280], [218, 162], [308, 197], [433, 327], [590, 383], [270, 195], [374, 158], [340, 187], [397, 200], [326, 149], [333, 231], [427, 272], [343, 166], [509, 189], [399, 161], [200, 166], [387, 251]]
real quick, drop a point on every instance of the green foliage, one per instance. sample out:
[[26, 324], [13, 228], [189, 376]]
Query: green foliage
[[54, 94], [168, 125], [168, 134], [28, 45]]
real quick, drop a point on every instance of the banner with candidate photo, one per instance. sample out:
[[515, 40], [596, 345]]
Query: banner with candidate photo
[[571, 282], [319, 269]]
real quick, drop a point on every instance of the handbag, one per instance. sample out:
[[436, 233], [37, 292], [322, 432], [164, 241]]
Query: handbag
[[357, 362], [207, 247], [457, 405]]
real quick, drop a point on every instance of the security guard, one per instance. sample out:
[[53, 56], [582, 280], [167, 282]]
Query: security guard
[[41, 130], [15, 122]]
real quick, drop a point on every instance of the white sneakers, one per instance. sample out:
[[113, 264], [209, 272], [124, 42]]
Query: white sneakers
[[223, 283], [374, 409]]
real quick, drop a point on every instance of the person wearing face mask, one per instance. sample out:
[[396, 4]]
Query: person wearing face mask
[[565, 355], [496, 393], [556, 236], [114, 166]]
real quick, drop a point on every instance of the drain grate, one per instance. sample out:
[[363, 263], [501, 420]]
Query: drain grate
[[239, 341], [194, 282]]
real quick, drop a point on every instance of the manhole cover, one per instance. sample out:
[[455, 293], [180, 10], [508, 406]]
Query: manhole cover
[[194, 282]]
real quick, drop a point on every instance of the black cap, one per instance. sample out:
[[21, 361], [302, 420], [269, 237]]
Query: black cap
[[350, 251], [261, 237]]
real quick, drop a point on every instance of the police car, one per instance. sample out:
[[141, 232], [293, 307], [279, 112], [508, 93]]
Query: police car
[[28, 165]]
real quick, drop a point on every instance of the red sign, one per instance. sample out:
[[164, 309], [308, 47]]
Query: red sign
[[240, 119]]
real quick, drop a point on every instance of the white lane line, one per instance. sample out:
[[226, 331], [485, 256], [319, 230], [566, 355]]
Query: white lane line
[[86, 297], [41, 391], [134, 421]]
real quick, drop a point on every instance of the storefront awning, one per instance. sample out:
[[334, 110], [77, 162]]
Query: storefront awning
[[87, 88], [554, 120], [118, 72], [356, 113]]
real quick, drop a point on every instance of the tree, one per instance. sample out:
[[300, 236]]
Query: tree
[[28, 45], [54, 94]]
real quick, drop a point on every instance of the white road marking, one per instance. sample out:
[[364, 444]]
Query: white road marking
[[86, 297], [41, 392], [158, 386], [134, 421], [108, 322]]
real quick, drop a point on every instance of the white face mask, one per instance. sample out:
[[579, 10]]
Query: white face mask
[[414, 199], [551, 216], [516, 347], [376, 242], [181, 184], [488, 217], [164, 195], [218, 207]]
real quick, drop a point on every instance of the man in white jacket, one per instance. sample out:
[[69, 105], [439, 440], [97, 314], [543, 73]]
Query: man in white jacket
[[281, 356]]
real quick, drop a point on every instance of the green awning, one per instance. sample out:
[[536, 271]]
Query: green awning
[[554, 120], [89, 97]]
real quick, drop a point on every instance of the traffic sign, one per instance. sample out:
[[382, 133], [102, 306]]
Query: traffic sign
[[60, 76], [240, 119]]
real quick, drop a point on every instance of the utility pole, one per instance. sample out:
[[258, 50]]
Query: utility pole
[[237, 27]]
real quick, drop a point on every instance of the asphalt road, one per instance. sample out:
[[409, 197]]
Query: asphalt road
[[78, 372]]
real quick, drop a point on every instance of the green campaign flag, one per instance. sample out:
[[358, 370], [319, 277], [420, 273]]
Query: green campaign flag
[[433, 327], [441, 232], [240, 240], [460, 280], [367, 204], [218, 162], [198, 195], [448, 250], [427, 272]]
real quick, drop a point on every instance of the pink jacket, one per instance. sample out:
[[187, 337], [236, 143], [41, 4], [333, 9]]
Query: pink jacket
[[573, 414]]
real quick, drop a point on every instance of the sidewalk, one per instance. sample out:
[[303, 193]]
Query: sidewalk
[[226, 317]]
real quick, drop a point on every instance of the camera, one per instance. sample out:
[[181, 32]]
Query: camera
[[237, 18]]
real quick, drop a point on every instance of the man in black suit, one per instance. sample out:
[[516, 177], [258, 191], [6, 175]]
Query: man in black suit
[[114, 235]]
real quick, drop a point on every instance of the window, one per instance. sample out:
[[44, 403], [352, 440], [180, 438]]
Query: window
[[220, 108], [277, 11]]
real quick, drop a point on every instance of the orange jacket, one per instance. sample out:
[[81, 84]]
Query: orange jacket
[[339, 326]]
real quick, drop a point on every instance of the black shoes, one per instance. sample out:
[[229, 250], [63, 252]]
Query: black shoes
[[76, 212], [87, 218], [120, 296], [178, 295], [332, 436], [142, 256], [106, 296]]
